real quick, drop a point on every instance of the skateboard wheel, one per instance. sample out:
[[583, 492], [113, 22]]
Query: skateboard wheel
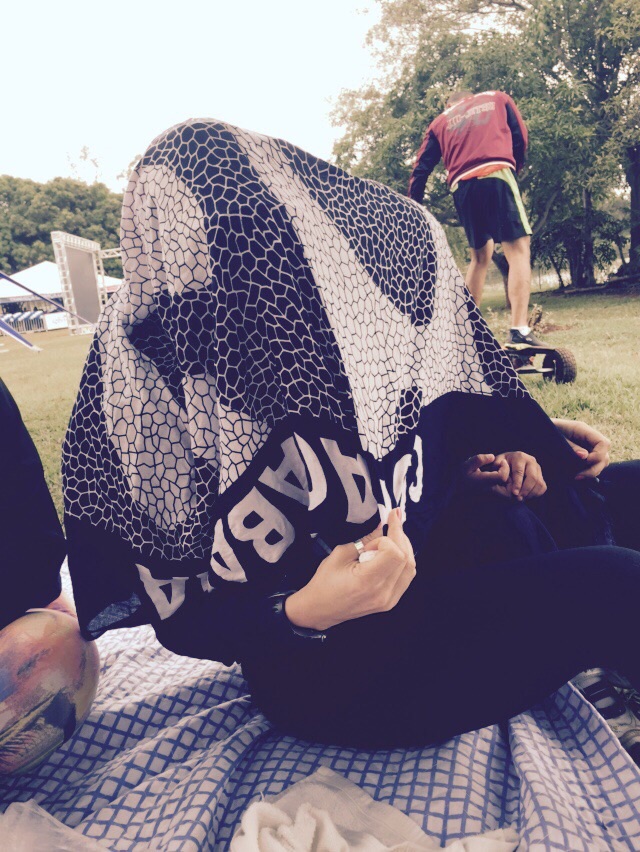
[[562, 363]]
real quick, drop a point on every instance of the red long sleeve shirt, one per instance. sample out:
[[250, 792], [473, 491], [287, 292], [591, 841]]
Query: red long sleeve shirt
[[480, 130]]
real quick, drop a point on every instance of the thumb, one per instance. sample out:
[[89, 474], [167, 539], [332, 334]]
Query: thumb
[[396, 532]]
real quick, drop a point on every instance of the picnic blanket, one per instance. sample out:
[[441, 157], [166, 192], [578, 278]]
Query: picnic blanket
[[173, 752]]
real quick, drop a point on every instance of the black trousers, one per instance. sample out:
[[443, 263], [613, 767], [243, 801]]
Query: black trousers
[[469, 647]]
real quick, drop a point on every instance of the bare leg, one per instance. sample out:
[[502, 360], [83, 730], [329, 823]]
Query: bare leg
[[518, 253], [477, 271]]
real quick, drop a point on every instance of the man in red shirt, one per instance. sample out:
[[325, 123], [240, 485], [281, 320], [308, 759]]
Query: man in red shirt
[[483, 141]]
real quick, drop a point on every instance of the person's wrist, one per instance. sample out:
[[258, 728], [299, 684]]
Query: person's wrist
[[299, 611]]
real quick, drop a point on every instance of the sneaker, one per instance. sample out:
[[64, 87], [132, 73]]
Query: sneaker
[[629, 692], [626, 727], [599, 688], [630, 742], [632, 699], [516, 336]]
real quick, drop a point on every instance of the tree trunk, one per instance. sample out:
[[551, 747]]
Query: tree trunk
[[558, 272], [503, 265], [575, 263], [633, 177], [586, 276]]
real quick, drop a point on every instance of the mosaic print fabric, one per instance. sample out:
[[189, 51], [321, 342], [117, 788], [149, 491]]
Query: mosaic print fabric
[[268, 372], [173, 752]]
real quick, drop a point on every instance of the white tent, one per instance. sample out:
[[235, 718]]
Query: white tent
[[42, 278]]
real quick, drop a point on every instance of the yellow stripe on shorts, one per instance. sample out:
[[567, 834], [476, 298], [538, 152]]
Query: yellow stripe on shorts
[[508, 176]]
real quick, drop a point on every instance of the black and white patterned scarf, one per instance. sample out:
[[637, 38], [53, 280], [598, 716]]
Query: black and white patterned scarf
[[293, 351]]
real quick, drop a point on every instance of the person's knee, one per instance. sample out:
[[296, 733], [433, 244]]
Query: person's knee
[[624, 474], [482, 256], [612, 572], [624, 560], [519, 249]]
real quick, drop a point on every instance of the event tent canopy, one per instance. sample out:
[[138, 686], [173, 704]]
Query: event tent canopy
[[43, 278]]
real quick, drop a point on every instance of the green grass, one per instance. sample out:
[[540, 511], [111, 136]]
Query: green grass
[[603, 332]]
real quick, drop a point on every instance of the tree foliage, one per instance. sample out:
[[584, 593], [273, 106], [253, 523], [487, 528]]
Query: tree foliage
[[29, 211], [573, 66]]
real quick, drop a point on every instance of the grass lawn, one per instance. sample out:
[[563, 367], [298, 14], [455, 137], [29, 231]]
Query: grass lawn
[[603, 332]]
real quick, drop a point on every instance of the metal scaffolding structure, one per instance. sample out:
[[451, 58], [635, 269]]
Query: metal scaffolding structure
[[86, 297]]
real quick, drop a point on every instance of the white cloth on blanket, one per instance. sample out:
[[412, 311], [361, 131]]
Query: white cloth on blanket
[[26, 827], [328, 813]]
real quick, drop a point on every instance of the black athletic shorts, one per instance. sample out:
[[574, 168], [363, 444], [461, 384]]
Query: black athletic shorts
[[491, 208]]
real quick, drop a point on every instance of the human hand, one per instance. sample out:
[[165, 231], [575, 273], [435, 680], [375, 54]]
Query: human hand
[[525, 478], [343, 588], [513, 474], [494, 473], [588, 444]]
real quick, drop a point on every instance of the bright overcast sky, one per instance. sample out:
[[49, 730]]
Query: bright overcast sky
[[112, 75]]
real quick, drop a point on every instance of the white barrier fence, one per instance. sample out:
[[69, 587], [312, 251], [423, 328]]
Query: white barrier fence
[[26, 321]]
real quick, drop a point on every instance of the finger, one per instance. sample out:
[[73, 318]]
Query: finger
[[577, 449], [517, 476], [403, 581], [591, 472], [532, 476], [500, 475], [597, 460], [594, 469], [367, 555], [344, 554], [491, 476], [394, 520], [398, 535], [369, 540], [391, 548], [486, 458], [587, 436], [504, 470], [372, 540], [395, 533], [388, 560], [539, 489], [396, 580], [476, 462]]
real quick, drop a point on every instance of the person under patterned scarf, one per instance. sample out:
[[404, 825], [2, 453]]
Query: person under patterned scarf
[[292, 361]]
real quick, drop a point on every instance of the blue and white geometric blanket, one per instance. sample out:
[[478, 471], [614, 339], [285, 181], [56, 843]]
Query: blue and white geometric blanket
[[173, 752]]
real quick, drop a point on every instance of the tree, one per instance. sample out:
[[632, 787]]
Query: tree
[[596, 47], [572, 66], [29, 211]]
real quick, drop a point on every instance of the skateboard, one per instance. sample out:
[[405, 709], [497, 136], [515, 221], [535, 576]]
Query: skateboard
[[553, 363]]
